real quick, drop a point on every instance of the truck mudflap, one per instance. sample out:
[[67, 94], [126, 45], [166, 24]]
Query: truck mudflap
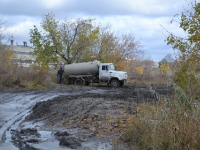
[[122, 82]]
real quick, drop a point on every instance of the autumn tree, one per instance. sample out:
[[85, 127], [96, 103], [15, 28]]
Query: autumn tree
[[168, 59], [70, 40], [79, 37], [188, 49], [76, 40], [3, 54], [141, 66], [117, 48], [6, 56], [166, 65]]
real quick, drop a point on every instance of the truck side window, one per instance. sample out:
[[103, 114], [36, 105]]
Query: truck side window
[[103, 67]]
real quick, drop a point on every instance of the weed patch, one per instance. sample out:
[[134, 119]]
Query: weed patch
[[172, 123]]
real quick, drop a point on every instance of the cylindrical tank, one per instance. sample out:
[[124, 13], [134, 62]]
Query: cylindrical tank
[[84, 68]]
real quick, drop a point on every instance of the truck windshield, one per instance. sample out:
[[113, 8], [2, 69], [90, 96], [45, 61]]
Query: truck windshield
[[111, 67]]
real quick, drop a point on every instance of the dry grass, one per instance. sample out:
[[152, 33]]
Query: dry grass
[[34, 77], [12, 75], [156, 80], [31, 77], [171, 123]]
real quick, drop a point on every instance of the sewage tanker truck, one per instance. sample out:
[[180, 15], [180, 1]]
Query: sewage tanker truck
[[94, 72]]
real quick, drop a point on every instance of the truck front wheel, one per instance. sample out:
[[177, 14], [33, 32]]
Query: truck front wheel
[[78, 82], [114, 83]]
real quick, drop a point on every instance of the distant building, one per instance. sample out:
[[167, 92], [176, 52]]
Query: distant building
[[156, 64], [23, 54]]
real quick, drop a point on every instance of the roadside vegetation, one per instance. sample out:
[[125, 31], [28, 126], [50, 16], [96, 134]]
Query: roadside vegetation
[[173, 122], [33, 77], [12, 75]]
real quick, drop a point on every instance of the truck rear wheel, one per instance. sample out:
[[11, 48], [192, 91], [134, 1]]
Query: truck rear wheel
[[114, 83], [78, 82]]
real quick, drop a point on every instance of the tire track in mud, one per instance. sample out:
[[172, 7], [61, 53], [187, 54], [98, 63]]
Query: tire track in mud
[[14, 107]]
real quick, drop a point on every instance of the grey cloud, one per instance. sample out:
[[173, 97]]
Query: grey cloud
[[121, 7], [19, 7], [87, 7]]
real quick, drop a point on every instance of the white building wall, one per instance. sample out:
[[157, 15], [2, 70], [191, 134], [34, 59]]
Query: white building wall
[[23, 54]]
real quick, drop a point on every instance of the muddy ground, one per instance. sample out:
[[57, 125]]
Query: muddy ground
[[83, 116]]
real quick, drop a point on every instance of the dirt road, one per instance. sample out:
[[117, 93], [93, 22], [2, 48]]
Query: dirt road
[[68, 117]]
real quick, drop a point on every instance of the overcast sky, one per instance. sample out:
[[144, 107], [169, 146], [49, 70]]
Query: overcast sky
[[141, 17]]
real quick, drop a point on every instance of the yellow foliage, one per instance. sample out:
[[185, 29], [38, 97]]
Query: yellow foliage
[[164, 69], [8, 54], [139, 70], [6, 57], [37, 71], [137, 109]]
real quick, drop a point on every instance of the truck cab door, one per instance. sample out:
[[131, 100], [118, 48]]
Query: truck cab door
[[104, 74]]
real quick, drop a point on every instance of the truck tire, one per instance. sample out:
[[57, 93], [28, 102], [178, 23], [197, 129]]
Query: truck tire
[[78, 82], [114, 83]]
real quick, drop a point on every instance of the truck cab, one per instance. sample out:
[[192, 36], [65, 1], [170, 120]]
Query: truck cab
[[108, 74]]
